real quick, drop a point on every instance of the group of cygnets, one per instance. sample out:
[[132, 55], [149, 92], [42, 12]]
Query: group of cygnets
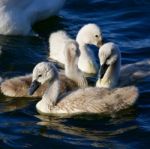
[[68, 92]]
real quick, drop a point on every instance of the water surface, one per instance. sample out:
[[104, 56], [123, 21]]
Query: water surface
[[125, 22]]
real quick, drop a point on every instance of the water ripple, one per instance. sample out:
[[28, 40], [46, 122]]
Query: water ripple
[[123, 22]]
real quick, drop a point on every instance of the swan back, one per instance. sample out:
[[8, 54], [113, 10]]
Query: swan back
[[17, 86], [97, 100], [57, 44], [40, 10], [134, 72], [110, 61], [18, 16]]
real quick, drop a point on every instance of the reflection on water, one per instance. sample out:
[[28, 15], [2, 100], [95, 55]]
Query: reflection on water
[[86, 127], [8, 104], [89, 130], [124, 22]]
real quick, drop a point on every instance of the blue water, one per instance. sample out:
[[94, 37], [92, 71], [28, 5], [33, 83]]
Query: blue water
[[125, 22]]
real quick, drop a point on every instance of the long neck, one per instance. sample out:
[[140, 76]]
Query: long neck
[[50, 97], [52, 92], [113, 73], [82, 45], [83, 49], [111, 76], [73, 73], [86, 55]]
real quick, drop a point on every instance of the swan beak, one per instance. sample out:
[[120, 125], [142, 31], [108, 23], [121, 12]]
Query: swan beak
[[33, 87], [99, 43], [103, 70]]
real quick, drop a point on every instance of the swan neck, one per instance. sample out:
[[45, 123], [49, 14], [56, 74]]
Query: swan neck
[[113, 72], [111, 77], [71, 68], [83, 47], [51, 94], [72, 72]]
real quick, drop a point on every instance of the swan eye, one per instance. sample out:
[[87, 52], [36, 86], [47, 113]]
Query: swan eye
[[96, 36], [39, 76]]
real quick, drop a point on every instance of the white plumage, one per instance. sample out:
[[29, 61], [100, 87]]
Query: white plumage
[[17, 16], [88, 34]]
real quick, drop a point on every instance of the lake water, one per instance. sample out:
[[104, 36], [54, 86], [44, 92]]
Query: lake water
[[125, 22]]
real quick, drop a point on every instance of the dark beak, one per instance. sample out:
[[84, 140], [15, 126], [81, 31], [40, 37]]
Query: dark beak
[[103, 70], [99, 43], [33, 87]]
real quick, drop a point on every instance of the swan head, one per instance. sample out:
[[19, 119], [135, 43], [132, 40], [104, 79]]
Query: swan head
[[90, 34], [42, 72], [71, 52], [109, 56]]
